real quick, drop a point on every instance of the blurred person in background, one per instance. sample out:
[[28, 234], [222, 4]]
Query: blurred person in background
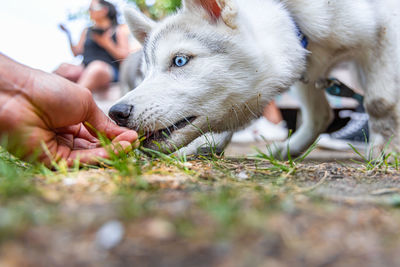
[[103, 46]]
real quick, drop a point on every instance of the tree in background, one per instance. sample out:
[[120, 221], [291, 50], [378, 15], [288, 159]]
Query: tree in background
[[158, 8], [155, 9]]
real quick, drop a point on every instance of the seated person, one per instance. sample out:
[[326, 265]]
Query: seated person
[[103, 46]]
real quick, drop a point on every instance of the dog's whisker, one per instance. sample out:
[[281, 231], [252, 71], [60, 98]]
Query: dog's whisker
[[242, 111], [251, 111], [166, 127], [236, 114]]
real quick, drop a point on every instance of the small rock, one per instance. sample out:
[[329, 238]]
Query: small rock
[[160, 229], [243, 176], [51, 195], [110, 235], [188, 165], [69, 181]]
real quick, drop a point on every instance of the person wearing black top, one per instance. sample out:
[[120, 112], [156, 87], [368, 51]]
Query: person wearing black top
[[103, 46]]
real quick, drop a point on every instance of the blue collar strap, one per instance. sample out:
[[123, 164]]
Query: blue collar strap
[[303, 39], [332, 86]]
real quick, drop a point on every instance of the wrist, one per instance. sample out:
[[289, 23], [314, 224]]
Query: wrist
[[13, 76], [9, 80]]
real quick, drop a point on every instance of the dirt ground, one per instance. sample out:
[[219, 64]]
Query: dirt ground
[[328, 211]]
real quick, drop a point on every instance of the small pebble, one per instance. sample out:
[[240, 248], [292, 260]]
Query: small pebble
[[69, 181], [110, 235], [188, 165], [160, 229], [243, 176]]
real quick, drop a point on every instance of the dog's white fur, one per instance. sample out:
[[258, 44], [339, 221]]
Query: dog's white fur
[[249, 52]]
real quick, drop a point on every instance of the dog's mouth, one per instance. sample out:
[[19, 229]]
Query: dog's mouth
[[164, 134]]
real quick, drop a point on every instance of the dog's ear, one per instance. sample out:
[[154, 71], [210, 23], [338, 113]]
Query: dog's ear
[[139, 24], [215, 10]]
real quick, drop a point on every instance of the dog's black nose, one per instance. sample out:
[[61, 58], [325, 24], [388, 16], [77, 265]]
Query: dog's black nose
[[120, 113]]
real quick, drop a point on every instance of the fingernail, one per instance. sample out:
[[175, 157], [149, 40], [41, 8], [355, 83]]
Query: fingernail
[[126, 146], [136, 144]]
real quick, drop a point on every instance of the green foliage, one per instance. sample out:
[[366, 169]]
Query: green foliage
[[224, 205], [20, 200], [290, 166], [15, 179], [17, 216], [384, 160], [79, 14], [160, 9]]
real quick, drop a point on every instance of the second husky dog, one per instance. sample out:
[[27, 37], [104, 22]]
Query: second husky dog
[[215, 64]]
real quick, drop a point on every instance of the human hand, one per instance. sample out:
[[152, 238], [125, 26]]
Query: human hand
[[64, 28], [41, 111]]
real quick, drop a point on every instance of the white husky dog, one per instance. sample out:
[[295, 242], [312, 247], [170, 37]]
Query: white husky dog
[[215, 64]]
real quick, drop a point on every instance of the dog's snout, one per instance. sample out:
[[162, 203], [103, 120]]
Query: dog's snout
[[120, 113]]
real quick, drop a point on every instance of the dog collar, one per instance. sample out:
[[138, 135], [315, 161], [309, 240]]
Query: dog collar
[[303, 39], [331, 85]]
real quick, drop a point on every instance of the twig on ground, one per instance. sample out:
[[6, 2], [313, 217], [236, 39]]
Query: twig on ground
[[312, 188]]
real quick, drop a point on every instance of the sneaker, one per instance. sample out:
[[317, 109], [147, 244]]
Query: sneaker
[[260, 130], [355, 132], [266, 130]]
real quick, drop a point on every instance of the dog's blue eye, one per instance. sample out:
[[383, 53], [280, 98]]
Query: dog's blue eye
[[181, 61]]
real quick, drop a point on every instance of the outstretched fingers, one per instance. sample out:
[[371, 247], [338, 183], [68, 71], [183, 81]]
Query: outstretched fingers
[[95, 155]]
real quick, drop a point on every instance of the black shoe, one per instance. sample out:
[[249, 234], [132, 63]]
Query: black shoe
[[356, 133]]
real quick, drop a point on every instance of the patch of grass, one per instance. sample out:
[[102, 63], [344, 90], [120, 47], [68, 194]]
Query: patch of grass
[[127, 164], [15, 177], [223, 205], [133, 204], [395, 201], [227, 211], [21, 205], [17, 216], [384, 160], [219, 211], [169, 159], [212, 145], [288, 167]]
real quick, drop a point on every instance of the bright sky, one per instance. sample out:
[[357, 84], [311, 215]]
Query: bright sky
[[29, 30]]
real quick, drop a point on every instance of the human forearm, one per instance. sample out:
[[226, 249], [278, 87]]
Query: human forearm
[[78, 49], [72, 46], [12, 80], [12, 76], [39, 109], [16, 79], [75, 49], [116, 51]]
